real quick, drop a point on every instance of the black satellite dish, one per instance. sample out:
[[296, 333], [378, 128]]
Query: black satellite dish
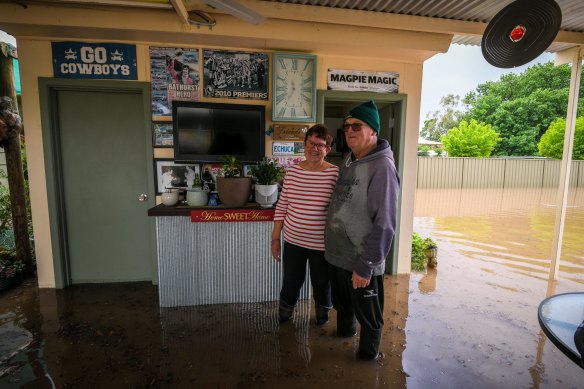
[[520, 32]]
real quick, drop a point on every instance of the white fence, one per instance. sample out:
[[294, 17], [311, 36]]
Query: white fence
[[494, 173]]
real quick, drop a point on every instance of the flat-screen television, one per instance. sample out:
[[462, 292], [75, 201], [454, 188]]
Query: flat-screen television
[[206, 132]]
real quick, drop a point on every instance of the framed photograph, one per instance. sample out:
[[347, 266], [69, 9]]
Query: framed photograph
[[235, 74], [162, 134], [169, 174]]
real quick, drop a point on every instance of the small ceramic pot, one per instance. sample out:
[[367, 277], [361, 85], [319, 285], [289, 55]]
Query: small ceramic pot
[[169, 198], [197, 197], [266, 195]]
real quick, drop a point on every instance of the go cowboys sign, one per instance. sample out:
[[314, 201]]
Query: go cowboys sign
[[94, 60]]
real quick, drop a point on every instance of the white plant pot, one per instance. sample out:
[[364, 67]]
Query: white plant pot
[[169, 198], [266, 195], [197, 197]]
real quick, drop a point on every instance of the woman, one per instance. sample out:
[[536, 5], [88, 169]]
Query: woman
[[301, 213]]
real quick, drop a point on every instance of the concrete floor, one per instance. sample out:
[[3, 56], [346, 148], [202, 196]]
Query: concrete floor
[[469, 323]]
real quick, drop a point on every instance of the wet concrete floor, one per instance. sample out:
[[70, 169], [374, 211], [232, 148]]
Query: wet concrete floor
[[471, 322]]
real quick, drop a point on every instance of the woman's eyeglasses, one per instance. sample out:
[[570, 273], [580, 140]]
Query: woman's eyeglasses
[[319, 146], [355, 126]]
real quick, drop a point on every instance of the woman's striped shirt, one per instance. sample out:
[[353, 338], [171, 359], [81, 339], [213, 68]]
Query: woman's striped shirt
[[303, 205]]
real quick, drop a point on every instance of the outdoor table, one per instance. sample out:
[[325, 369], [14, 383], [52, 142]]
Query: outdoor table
[[559, 317]]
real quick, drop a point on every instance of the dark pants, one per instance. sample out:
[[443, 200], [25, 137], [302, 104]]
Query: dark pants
[[294, 260], [363, 304]]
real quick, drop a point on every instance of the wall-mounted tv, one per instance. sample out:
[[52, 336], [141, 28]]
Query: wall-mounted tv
[[206, 132]]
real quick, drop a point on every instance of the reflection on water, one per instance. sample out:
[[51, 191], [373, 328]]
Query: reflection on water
[[473, 320], [512, 228]]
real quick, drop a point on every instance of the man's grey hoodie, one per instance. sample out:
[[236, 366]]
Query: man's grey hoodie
[[362, 215]]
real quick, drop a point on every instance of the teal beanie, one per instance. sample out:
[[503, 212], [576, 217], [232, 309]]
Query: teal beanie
[[368, 113]]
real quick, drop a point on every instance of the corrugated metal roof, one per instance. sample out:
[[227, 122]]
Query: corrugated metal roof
[[463, 10], [466, 10]]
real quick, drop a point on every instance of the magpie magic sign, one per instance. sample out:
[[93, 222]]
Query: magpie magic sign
[[355, 80], [94, 60]]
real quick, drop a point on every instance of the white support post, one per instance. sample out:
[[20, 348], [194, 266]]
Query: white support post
[[564, 186]]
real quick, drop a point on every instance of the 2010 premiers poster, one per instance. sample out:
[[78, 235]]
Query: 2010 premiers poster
[[174, 75], [235, 74]]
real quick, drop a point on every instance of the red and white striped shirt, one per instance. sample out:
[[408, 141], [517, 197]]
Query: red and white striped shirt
[[303, 205]]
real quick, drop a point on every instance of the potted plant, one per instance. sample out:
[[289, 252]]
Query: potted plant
[[431, 252], [197, 196], [11, 270], [267, 174], [232, 188]]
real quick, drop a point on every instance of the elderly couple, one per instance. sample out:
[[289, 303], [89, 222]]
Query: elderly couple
[[343, 223]]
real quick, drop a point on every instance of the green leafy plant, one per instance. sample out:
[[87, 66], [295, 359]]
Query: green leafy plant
[[419, 246], [267, 172], [232, 167], [423, 151], [429, 244], [418, 257], [9, 265]]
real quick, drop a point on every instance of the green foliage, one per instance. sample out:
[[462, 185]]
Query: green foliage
[[267, 172], [440, 121], [551, 144], [423, 151], [418, 257], [520, 107], [232, 167], [471, 140], [439, 151], [419, 246], [6, 228], [9, 265]]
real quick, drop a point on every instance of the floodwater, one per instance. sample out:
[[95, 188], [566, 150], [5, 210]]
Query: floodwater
[[471, 322]]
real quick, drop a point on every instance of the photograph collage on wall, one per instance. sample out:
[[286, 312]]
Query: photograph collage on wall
[[174, 75], [235, 74], [162, 134], [169, 174]]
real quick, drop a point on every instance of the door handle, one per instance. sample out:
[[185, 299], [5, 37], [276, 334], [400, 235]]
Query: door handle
[[143, 197]]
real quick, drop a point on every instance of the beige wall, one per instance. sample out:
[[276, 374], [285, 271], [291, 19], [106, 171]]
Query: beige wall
[[337, 46]]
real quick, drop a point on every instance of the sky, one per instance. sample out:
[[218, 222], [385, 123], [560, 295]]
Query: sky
[[459, 71]]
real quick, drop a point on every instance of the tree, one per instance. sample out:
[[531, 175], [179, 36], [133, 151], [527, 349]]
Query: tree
[[471, 140], [440, 121], [520, 107], [551, 144]]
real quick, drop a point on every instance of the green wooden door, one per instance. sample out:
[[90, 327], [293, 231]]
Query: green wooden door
[[104, 170]]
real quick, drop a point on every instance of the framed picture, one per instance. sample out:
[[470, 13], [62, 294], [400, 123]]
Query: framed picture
[[162, 134], [169, 174], [235, 74]]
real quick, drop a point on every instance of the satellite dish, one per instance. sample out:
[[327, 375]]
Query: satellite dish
[[520, 32]]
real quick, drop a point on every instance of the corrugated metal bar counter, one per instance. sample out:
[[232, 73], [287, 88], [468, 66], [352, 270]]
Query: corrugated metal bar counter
[[215, 262]]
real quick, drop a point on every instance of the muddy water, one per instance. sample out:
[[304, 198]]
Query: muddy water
[[471, 322]]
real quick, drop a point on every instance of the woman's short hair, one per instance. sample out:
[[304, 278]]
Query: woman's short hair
[[321, 132]]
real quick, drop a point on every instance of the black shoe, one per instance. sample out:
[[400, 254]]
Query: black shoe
[[322, 315], [285, 311]]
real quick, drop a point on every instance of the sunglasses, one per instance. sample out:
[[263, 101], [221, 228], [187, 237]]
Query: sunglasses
[[356, 127]]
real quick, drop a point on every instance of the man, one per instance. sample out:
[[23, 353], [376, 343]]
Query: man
[[360, 227]]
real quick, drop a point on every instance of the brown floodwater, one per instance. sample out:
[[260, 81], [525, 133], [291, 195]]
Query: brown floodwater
[[471, 322]]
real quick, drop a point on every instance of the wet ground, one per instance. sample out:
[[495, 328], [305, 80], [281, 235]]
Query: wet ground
[[471, 322]]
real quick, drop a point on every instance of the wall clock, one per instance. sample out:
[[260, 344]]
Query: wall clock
[[294, 97]]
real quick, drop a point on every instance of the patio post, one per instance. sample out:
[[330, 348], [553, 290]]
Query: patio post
[[575, 55]]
